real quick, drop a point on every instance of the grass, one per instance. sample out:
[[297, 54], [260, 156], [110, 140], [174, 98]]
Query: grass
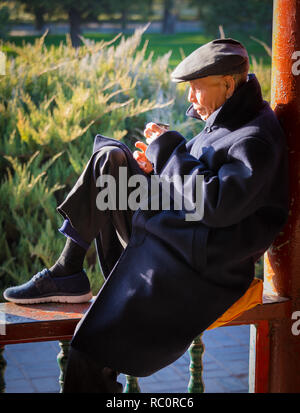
[[181, 44]]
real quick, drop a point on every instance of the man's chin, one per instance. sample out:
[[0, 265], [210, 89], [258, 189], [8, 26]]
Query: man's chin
[[202, 115]]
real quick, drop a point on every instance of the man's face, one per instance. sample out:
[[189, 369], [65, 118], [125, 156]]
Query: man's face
[[209, 93]]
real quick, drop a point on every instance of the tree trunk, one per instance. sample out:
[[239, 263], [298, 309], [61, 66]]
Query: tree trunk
[[39, 21], [124, 15], [75, 29], [169, 17]]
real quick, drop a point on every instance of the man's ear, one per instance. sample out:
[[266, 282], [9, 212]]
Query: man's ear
[[230, 86]]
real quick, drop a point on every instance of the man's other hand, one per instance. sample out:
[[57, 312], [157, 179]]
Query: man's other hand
[[153, 131], [141, 158]]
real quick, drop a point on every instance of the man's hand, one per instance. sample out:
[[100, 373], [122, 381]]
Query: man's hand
[[153, 131], [141, 158]]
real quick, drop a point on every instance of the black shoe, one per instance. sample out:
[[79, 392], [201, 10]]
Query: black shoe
[[43, 288]]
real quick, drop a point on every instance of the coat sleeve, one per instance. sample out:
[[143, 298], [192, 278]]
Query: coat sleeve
[[231, 193]]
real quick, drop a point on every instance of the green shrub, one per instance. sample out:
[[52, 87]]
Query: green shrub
[[52, 104]]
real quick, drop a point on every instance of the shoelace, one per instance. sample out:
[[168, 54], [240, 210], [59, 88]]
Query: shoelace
[[39, 275]]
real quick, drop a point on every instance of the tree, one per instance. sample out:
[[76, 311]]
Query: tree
[[90, 9], [78, 12], [234, 15], [87, 10], [38, 8], [126, 7], [4, 22], [169, 16], [75, 22]]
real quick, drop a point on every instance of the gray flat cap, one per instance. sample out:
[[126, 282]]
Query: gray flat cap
[[218, 57]]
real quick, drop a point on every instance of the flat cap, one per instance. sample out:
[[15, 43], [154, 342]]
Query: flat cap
[[218, 57]]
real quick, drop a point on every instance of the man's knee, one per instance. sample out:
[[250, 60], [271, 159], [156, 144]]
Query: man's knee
[[110, 157], [116, 156]]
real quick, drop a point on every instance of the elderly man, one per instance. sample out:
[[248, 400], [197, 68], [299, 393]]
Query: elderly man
[[169, 278]]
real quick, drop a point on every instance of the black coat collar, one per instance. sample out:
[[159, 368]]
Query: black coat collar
[[239, 109]]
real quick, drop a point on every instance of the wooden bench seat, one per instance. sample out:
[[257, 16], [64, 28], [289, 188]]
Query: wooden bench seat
[[40, 322], [54, 321], [45, 322], [273, 308]]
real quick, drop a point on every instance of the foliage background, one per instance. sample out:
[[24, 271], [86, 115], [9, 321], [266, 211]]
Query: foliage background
[[53, 102]]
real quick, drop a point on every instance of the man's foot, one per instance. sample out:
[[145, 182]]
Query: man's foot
[[43, 288]]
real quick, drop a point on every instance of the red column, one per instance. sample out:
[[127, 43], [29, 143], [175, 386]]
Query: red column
[[283, 258]]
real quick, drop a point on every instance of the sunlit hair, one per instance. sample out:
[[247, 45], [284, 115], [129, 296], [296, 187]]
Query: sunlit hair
[[239, 78]]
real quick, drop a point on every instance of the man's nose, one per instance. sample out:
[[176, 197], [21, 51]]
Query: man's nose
[[191, 96]]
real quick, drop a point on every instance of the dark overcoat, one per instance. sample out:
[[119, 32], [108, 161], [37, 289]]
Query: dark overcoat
[[176, 277]]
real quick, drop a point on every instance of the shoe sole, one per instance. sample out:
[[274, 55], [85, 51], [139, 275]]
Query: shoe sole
[[75, 299]]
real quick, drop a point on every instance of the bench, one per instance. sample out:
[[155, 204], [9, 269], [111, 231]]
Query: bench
[[51, 321]]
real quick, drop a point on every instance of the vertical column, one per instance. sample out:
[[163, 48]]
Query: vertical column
[[132, 385], [259, 358], [62, 359], [283, 257], [196, 351]]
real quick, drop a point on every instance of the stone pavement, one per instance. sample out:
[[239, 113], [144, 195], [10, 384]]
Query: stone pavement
[[32, 367]]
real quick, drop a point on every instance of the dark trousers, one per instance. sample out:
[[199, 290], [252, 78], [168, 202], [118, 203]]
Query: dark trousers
[[83, 375], [111, 230]]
